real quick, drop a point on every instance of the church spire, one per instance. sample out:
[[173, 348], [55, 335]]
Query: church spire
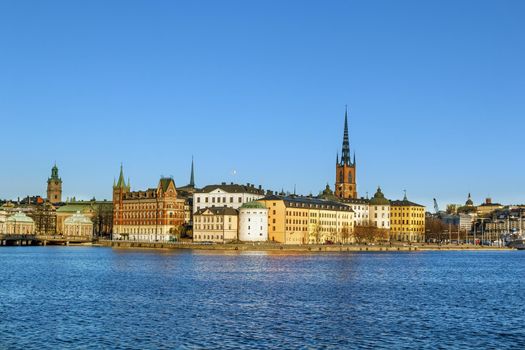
[[121, 183], [192, 176], [345, 154]]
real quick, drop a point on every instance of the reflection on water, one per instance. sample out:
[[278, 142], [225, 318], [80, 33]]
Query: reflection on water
[[77, 297]]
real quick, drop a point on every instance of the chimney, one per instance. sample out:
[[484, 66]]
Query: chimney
[[488, 200]]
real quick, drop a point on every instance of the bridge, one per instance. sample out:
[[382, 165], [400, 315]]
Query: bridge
[[34, 239]]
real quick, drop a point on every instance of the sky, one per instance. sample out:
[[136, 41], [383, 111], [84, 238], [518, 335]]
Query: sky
[[256, 91]]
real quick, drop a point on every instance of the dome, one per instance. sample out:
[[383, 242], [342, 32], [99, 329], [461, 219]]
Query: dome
[[77, 219], [20, 217], [469, 201], [379, 198], [253, 205]]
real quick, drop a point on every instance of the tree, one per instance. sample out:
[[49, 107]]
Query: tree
[[102, 219], [370, 234], [345, 234]]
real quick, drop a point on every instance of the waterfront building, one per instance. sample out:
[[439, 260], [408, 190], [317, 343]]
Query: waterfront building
[[303, 220], [407, 221], [78, 225], [45, 217], [223, 195], [360, 206], [345, 169], [20, 224], [215, 224], [3, 218], [54, 187], [100, 214], [506, 221], [253, 222], [379, 210], [156, 214]]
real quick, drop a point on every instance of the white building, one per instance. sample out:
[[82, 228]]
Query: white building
[[253, 222], [379, 210], [361, 210], [3, 219], [20, 224], [78, 225], [223, 195]]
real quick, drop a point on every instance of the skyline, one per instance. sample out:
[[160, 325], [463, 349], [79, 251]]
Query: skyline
[[433, 93]]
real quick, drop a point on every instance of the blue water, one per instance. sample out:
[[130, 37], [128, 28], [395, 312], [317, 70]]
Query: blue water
[[89, 298]]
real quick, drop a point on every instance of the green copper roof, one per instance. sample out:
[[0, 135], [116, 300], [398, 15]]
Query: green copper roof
[[379, 198], [19, 218], [253, 205]]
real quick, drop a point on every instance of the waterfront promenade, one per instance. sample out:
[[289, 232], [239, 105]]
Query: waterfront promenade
[[274, 247]]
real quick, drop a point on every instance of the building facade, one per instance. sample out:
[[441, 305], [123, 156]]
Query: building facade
[[99, 212], [380, 211], [345, 169], [253, 222], [407, 221], [54, 187], [216, 224], [20, 224], [307, 220], [78, 225], [223, 195], [156, 214]]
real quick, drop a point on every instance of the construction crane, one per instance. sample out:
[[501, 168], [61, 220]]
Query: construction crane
[[436, 207]]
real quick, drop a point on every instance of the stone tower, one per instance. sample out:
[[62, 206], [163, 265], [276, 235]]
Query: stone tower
[[345, 169], [119, 189], [54, 187]]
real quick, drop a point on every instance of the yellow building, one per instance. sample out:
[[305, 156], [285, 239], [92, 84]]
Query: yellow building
[[306, 220], [407, 221]]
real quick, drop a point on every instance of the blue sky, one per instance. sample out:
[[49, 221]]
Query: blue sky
[[435, 92]]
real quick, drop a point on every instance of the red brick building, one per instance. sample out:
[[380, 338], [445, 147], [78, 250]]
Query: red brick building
[[155, 214]]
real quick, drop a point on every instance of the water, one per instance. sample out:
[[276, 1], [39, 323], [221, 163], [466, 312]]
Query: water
[[74, 297]]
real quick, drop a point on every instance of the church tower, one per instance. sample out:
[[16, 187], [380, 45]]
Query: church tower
[[54, 187], [120, 188], [345, 169]]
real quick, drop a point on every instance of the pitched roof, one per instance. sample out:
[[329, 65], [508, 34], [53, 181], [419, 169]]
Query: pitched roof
[[164, 183], [232, 188], [405, 203], [218, 211], [309, 202]]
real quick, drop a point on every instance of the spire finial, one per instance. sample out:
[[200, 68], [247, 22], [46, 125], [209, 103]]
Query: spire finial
[[405, 197], [345, 154], [192, 176]]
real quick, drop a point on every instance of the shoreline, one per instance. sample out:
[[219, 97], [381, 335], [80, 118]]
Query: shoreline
[[274, 247]]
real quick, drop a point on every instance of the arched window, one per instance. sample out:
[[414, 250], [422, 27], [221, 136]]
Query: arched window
[[350, 177], [341, 176]]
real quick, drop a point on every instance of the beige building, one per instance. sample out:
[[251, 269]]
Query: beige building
[[78, 225], [20, 224], [218, 225], [100, 214], [307, 220], [485, 209]]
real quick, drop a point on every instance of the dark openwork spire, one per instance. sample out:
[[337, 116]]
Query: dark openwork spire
[[345, 154], [192, 176]]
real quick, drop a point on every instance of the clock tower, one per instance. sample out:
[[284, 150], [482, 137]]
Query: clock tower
[[54, 187]]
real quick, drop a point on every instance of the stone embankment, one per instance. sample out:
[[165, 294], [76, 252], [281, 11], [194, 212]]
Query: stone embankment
[[291, 248]]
